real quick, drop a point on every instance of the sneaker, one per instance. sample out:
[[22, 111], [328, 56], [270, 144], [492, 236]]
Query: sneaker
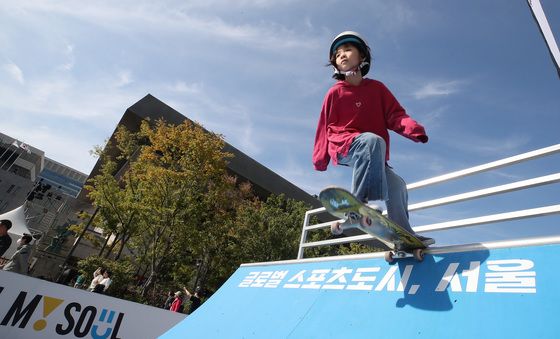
[[426, 241]]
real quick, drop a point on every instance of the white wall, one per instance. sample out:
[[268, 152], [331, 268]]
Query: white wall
[[33, 308]]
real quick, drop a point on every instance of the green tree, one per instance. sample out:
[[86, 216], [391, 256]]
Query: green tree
[[185, 218], [257, 231], [269, 231], [183, 193], [114, 191]]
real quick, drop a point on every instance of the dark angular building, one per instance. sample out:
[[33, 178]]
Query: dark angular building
[[263, 180]]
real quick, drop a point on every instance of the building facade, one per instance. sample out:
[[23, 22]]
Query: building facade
[[20, 165], [52, 207], [47, 190]]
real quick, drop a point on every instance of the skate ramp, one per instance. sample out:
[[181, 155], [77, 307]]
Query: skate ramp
[[503, 289]]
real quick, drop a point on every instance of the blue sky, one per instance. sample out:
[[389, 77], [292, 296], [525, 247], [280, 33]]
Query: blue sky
[[476, 74]]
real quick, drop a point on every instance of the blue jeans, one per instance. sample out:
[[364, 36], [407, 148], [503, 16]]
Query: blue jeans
[[373, 179]]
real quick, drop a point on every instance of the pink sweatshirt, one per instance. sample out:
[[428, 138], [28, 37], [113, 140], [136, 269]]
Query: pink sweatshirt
[[350, 110]]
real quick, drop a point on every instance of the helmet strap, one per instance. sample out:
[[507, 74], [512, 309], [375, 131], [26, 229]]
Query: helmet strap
[[353, 71]]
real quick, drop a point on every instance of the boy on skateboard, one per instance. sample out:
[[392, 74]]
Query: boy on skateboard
[[353, 126]]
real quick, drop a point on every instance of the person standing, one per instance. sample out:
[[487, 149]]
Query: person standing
[[168, 301], [194, 299], [97, 277], [353, 130], [80, 281], [18, 263], [5, 239], [177, 304], [104, 283]]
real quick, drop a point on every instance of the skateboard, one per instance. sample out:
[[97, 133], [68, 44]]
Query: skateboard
[[344, 205]]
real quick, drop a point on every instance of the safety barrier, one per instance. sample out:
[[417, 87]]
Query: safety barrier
[[477, 194]]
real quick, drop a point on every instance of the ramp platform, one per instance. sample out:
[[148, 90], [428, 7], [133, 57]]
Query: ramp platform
[[502, 289]]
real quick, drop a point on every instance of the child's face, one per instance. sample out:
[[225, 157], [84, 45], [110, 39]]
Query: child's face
[[347, 57]]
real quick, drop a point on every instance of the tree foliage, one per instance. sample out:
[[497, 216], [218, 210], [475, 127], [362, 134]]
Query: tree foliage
[[165, 194], [266, 230]]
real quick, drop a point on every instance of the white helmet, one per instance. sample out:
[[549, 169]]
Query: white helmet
[[355, 39]]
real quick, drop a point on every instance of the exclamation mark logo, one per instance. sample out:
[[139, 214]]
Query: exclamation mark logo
[[49, 305]]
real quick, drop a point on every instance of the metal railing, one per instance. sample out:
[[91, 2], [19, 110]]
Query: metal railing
[[491, 191]]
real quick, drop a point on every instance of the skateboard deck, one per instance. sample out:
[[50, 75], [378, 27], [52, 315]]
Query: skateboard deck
[[344, 205]]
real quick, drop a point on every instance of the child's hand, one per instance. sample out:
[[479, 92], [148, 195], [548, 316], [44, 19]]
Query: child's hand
[[423, 138]]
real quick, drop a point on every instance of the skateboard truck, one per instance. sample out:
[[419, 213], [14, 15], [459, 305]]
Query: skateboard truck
[[397, 253], [417, 253], [352, 219]]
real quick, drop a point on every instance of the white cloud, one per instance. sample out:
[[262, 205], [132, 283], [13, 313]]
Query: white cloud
[[69, 53], [183, 87], [63, 96], [432, 117], [438, 88], [123, 78], [228, 4], [432, 163], [307, 22], [230, 118], [15, 72], [489, 146], [472, 146], [165, 18]]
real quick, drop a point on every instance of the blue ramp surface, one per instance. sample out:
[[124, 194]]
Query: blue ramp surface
[[464, 292]]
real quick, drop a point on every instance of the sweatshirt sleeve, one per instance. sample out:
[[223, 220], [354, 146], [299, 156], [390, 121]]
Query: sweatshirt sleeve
[[399, 121], [321, 156]]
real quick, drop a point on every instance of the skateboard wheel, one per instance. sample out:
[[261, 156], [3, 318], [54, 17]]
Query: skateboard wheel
[[335, 228], [365, 221], [389, 257], [418, 254]]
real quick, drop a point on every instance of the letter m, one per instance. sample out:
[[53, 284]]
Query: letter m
[[18, 312]]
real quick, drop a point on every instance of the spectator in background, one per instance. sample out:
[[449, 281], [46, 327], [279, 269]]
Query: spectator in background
[[80, 281], [67, 275], [104, 283], [177, 304], [194, 298], [5, 239], [19, 261], [97, 277], [169, 300]]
